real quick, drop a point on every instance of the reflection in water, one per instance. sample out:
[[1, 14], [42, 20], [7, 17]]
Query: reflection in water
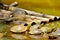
[[19, 36], [35, 36], [28, 37]]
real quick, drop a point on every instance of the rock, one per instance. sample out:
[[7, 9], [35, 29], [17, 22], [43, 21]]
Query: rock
[[19, 14], [34, 29], [5, 14], [19, 28]]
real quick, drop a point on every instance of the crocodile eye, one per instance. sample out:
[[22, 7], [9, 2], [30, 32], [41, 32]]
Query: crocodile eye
[[33, 23], [25, 24]]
